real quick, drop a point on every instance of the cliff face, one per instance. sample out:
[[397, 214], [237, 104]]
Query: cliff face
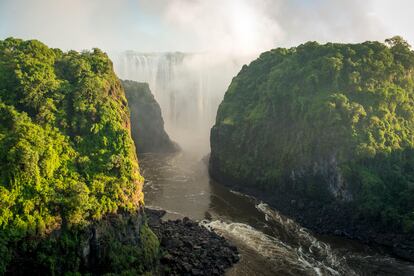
[[322, 125], [68, 166], [147, 122]]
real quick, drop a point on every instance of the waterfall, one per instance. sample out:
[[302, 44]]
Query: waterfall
[[188, 87]]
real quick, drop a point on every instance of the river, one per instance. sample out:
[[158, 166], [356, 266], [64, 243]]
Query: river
[[269, 243]]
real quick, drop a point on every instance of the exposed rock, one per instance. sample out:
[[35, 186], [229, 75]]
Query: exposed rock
[[118, 243], [190, 249]]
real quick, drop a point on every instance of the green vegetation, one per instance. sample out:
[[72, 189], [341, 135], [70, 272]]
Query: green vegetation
[[66, 154], [328, 122]]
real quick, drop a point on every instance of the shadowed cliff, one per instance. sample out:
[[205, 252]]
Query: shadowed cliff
[[147, 124]]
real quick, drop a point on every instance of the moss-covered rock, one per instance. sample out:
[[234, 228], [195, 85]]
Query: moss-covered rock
[[321, 124], [116, 244], [147, 122]]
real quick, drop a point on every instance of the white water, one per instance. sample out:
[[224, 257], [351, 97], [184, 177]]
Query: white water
[[301, 253]]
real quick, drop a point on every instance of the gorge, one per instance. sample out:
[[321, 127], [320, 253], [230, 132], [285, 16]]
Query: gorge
[[72, 189], [195, 137], [187, 86], [71, 199], [269, 242]]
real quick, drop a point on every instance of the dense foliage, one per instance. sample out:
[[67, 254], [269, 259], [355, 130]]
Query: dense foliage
[[66, 154], [335, 118], [147, 126]]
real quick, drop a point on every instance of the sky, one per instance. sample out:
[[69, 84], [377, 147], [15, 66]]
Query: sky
[[228, 26]]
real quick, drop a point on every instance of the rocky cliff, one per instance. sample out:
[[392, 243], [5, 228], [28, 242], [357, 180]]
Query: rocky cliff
[[324, 132], [147, 122], [70, 186]]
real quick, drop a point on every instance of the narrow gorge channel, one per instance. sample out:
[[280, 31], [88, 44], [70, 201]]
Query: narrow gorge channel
[[269, 243]]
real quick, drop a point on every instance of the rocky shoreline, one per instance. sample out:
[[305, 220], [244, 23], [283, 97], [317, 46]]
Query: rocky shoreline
[[190, 249], [330, 219]]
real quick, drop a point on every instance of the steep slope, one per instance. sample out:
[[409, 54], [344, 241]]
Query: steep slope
[[147, 123], [326, 131], [70, 187]]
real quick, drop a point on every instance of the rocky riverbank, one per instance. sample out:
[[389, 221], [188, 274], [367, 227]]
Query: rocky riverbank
[[190, 249]]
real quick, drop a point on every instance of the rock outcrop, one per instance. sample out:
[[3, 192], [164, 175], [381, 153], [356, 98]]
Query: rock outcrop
[[191, 249], [147, 123], [117, 244]]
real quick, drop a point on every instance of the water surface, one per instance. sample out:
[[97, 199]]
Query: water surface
[[269, 243]]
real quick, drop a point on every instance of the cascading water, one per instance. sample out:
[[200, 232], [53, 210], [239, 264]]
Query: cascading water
[[188, 87], [158, 70]]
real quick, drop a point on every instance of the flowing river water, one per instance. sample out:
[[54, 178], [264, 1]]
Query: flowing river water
[[269, 243]]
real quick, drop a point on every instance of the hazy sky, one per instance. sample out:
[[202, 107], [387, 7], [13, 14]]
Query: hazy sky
[[238, 26]]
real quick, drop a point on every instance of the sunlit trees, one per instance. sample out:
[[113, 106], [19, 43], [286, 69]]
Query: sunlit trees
[[66, 155], [294, 112]]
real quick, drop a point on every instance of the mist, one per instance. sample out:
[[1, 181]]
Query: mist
[[215, 38], [188, 86]]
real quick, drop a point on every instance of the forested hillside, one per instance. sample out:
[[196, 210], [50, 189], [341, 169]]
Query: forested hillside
[[67, 160], [322, 123]]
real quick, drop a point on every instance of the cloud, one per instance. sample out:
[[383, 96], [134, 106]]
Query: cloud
[[324, 20], [228, 26], [232, 25], [251, 26]]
